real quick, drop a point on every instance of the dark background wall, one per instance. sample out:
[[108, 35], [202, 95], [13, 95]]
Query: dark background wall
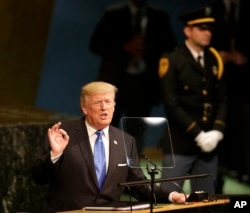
[[24, 29], [44, 56], [68, 64]]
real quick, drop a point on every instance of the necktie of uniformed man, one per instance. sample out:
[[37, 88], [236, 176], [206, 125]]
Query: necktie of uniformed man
[[199, 58], [99, 159]]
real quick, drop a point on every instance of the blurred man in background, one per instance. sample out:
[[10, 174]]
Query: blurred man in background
[[130, 38]]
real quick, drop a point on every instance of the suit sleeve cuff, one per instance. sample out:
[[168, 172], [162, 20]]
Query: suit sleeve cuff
[[55, 158]]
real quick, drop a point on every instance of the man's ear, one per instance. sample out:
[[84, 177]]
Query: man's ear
[[83, 109], [187, 30]]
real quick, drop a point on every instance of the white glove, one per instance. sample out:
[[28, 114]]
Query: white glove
[[203, 141], [199, 137], [208, 141], [217, 135]]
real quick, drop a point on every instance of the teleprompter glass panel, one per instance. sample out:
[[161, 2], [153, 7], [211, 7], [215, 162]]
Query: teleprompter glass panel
[[152, 135]]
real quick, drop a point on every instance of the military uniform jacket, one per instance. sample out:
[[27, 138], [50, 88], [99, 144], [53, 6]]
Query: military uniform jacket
[[194, 97]]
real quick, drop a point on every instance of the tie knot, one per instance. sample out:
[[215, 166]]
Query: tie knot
[[199, 60], [99, 133]]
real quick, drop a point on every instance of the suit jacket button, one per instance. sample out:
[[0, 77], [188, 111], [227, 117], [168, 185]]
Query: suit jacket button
[[204, 118], [204, 92]]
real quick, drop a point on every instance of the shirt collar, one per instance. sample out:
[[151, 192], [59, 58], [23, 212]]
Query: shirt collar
[[134, 9], [91, 131], [193, 52]]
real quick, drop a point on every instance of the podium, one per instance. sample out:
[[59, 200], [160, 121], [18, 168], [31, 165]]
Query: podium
[[22, 129], [216, 206]]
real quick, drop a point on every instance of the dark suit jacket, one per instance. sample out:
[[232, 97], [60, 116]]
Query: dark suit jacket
[[108, 39], [72, 179]]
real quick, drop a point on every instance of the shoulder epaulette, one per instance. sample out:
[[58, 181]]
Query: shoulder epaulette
[[163, 66], [220, 62]]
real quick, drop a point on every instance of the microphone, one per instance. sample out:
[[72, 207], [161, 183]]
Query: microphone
[[152, 163]]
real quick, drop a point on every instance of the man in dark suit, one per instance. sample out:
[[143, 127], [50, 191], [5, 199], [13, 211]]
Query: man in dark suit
[[130, 38], [195, 100], [68, 166]]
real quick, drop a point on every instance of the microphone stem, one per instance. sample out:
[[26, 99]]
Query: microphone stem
[[155, 166], [152, 173]]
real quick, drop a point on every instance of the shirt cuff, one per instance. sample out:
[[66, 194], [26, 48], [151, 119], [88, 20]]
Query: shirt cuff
[[55, 158], [170, 197]]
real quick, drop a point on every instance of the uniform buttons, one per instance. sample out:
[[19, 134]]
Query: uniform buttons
[[204, 118], [204, 80], [204, 92], [186, 87]]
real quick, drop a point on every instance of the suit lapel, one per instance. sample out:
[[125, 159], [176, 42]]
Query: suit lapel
[[84, 144], [116, 151], [113, 145]]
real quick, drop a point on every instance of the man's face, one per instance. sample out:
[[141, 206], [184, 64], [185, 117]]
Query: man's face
[[199, 36], [99, 109]]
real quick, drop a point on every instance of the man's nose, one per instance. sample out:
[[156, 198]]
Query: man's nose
[[103, 105]]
